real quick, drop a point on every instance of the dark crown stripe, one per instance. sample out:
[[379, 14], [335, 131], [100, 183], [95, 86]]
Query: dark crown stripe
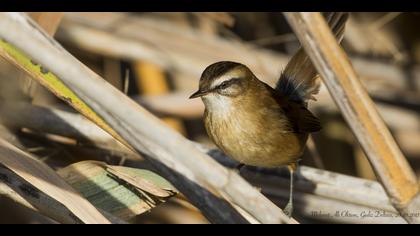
[[217, 69]]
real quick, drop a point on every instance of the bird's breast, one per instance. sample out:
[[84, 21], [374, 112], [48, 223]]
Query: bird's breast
[[253, 136]]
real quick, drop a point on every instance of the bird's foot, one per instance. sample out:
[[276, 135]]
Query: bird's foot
[[288, 210]]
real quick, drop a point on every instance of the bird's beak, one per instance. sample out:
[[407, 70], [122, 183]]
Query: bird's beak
[[197, 94]]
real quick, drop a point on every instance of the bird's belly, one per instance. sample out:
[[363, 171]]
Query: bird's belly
[[287, 150], [256, 145]]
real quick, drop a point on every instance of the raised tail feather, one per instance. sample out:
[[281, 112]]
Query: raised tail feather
[[299, 80]]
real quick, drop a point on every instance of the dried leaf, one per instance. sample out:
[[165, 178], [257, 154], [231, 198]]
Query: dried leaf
[[46, 180], [139, 181], [125, 192]]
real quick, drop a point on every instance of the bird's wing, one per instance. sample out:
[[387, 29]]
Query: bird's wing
[[300, 118], [303, 120], [300, 81]]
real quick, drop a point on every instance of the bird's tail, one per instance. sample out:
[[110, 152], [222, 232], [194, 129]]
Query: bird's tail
[[299, 80]]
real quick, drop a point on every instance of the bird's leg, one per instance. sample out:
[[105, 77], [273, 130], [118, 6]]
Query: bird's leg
[[288, 210]]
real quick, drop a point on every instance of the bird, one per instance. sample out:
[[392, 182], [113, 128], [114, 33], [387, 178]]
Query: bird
[[258, 125]]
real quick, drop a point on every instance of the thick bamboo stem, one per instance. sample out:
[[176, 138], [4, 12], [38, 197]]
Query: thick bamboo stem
[[49, 22], [359, 111]]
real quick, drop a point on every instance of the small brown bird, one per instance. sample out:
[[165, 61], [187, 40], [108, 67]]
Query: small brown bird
[[256, 124]]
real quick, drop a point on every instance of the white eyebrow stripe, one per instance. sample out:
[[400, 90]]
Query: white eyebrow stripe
[[220, 80]]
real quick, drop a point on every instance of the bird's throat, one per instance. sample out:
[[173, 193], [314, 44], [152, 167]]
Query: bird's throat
[[219, 105]]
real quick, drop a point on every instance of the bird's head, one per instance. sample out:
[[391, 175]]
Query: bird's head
[[223, 80]]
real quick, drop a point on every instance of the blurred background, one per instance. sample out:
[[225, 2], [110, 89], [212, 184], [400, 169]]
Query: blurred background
[[157, 59]]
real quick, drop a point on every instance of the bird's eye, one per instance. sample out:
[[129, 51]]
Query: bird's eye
[[228, 83], [224, 85]]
